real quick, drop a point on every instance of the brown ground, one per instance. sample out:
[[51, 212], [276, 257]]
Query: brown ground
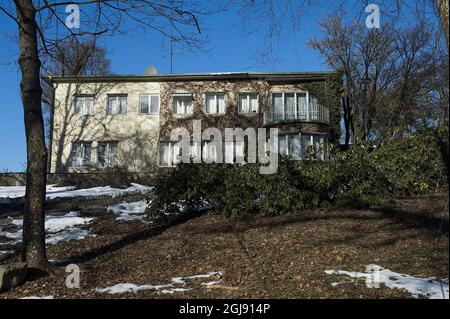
[[263, 257]]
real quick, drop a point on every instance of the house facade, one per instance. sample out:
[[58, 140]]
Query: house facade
[[106, 121]]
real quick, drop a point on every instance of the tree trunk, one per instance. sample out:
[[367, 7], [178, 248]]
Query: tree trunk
[[33, 252], [346, 109], [442, 6]]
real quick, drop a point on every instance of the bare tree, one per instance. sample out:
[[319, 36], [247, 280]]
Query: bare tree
[[75, 56], [72, 57], [41, 29], [390, 78], [364, 55]]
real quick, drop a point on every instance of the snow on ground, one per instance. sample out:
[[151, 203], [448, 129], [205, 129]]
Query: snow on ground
[[166, 289], [38, 297], [129, 211], [58, 228], [375, 276], [19, 191], [211, 283], [7, 192]]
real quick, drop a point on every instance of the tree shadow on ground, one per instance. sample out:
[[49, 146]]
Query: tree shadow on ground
[[130, 239], [392, 216]]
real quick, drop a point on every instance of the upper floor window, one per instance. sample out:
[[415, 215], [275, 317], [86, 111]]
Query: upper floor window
[[107, 154], [248, 103], [182, 103], [215, 103], [80, 154], [84, 104], [117, 104], [149, 104], [290, 104]]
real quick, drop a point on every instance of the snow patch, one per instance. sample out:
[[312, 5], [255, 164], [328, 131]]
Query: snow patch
[[166, 289], [58, 228], [52, 191], [38, 297], [211, 283], [375, 275], [19, 191], [129, 211]]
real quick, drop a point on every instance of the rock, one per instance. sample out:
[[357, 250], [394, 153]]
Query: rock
[[12, 275]]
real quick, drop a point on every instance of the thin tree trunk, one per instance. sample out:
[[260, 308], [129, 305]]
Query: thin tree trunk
[[346, 108], [442, 6], [34, 252]]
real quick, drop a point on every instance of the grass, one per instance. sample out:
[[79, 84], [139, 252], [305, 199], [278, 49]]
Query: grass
[[261, 257]]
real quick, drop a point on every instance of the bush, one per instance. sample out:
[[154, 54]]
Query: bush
[[359, 177]]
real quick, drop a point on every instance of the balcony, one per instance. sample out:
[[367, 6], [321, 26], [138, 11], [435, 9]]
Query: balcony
[[313, 113]]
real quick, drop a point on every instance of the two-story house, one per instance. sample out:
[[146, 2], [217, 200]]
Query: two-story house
[[121, 120]]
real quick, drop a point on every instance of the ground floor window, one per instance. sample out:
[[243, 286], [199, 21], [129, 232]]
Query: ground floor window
[[107, 154], [303, 146], [165, 154], [170, 153], [234, 152], [299, 146], [80, 154]]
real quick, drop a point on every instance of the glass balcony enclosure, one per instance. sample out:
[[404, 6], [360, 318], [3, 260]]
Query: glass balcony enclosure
[[296, 106]]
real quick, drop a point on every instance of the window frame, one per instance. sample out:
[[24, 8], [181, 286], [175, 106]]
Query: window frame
[[149, 95], [296, 105], [84, 96], [215, 94], [107, 157], [117, 96], [323, 136], [248, 94], [175, 95], [83, 145]]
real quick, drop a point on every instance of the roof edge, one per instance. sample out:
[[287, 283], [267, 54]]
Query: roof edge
[[277, 76]]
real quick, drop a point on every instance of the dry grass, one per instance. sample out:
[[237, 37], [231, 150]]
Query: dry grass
[[263, 257]]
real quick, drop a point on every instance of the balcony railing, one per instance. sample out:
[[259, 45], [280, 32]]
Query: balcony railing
[[314, 113]]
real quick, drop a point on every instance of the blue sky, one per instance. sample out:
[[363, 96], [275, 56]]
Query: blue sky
[[229, 51]]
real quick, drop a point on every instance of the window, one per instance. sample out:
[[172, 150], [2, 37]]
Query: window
[[84, 104], [248, 103], [170, 154], [234, 152], [314, 108], [215, 103], [107, 154], [210, 152], [294, 146], [303, 146], [117, 104], [149, 104], [289, 105], [306, 145], [282, 145], [80, 154], [182, 103], [165, 156], [277, 103], [195, 152], [302, 106], [286, 106]]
